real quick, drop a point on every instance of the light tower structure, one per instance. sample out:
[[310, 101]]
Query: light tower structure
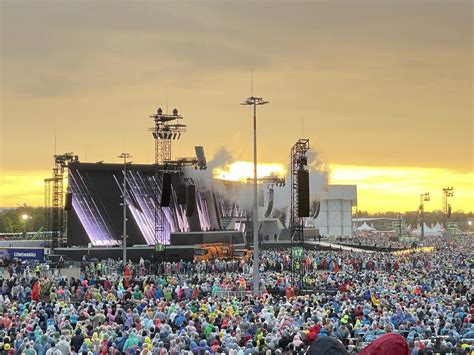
[[54, 198], [299, 161], [447, 193], [165, 130], [423, 197], [254, 102]]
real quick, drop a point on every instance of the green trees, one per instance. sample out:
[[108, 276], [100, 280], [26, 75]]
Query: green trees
[[22, 218], [6, 224]]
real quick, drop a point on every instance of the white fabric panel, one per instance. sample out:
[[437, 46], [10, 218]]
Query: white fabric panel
[[334, 205], [347, 218], [335, 217], [323, 231], [335, 231], [346, 206], [270, 228]]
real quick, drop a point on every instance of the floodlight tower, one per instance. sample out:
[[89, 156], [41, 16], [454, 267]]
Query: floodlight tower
[[54, 197], [423, 197], [299, 208], [255, 101], [447, 193], [166, 129]]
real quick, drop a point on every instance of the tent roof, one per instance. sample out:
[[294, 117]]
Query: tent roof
[[365, 227]]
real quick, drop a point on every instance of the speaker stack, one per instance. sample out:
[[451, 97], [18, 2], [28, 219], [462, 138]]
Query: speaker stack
[[181, 193], [166, 190], [303, 193], [68, 201]]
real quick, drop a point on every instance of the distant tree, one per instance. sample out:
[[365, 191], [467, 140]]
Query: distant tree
[[10, 221], [6, 225]]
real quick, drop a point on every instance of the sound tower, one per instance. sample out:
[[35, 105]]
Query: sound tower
[[303, 193], [190, 200], [166, 190], [68, 201], [181, 192]]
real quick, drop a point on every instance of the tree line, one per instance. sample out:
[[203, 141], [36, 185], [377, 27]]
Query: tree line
[[12, 221]]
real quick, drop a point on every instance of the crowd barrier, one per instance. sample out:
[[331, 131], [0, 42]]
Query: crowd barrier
[[45, 235], [223, 293]]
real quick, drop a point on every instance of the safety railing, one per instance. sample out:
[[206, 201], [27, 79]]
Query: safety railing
[[227, 293], [44, 235]]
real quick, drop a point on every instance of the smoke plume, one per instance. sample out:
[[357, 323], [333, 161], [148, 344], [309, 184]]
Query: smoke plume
[[242, 194]]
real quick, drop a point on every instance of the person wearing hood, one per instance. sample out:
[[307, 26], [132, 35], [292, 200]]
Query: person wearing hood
[[297, 342], [77, 340], [131, 342], [327, 346], [63, 345], [53, 350]]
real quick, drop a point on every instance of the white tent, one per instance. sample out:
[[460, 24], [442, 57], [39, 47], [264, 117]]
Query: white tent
[[365, 227], [429, 232], [437, 227]]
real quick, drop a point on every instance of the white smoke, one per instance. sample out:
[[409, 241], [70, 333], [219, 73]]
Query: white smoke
[[318, 175], [242, 194], [204, 177]]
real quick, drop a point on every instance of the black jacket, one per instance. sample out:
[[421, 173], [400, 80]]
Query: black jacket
[[77, 341], [327, 346]]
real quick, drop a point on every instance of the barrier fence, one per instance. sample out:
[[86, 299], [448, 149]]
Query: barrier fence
[[225, 293], [44, 235]]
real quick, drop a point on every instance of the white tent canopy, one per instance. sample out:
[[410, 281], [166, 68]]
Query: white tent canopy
[[438, 227], [431, 232], [365, 227]]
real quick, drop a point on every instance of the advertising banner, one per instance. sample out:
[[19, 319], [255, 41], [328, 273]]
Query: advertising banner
[[22, 254]]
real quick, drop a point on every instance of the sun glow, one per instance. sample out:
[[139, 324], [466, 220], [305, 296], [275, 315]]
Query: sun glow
[[241, 171], [399, 188], [378, 188]]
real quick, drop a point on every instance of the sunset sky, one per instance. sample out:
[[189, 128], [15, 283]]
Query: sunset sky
[[383, 89]]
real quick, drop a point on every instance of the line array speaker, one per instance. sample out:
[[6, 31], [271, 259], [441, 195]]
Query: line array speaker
[[68, 201], [166, 190], [181, 192], [303, 193]]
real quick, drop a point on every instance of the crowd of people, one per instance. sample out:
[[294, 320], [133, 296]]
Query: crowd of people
[[208, 307]]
